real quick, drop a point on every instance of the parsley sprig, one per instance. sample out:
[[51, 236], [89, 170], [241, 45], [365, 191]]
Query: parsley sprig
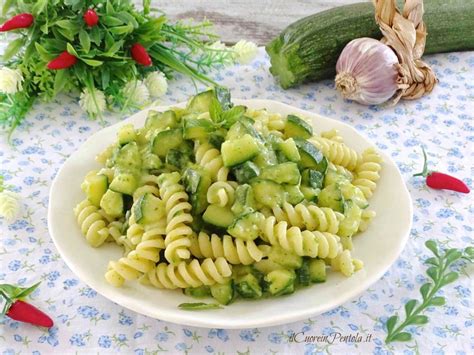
[[441, 275]]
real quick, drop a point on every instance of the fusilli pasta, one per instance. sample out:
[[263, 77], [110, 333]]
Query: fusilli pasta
[[337, 153], [221, 193], [192, 274], [367, 172], [93, 224], [177, 240], [210, 159], [310, 217], [235, 251]]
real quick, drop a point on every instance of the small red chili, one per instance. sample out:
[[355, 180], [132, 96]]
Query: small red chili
[[18, 21], [62, 61], [91, 18], [19, 310], [140, 55], [441, 181]]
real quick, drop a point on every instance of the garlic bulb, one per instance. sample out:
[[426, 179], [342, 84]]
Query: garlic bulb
[[367, 72]]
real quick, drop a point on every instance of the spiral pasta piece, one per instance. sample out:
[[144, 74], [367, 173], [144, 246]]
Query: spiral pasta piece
[[134, 232], [92, 222], [178, 218], [367, 172], [221, 193], [337, 153], [140, 260], [210, 159], [192, 274], [366, 218], [344, 263], [333, 135], [309, 217], [235, 251]]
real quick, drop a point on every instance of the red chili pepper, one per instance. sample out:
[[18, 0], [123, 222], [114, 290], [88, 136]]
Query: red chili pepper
[[18, 21], [19, 310], [91, 18], [441, 181], [140, 55], [62, 61]]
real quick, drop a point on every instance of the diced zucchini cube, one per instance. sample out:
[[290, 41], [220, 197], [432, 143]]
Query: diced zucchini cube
[[239, 150]]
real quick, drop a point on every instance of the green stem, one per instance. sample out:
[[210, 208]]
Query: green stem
[[422, 306], [425, 171]]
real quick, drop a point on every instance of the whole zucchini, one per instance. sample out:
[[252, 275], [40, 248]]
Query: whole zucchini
[[308, 49]]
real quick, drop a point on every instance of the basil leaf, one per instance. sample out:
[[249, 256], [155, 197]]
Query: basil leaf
[[450, 277], [198, 306], [419, 320]]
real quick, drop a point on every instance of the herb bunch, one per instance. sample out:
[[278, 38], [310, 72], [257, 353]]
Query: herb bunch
[[440, 275], [97, 47]]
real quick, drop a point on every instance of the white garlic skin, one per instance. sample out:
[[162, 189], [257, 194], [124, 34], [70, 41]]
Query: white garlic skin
[[366, 71]]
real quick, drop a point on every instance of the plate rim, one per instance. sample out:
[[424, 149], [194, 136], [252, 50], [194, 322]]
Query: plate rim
[[182, 319]]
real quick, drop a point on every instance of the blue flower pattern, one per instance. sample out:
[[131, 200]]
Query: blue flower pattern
[[86, 322]]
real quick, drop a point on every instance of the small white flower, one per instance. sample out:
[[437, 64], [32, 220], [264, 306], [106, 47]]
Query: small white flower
[[245, 51], [218, 45], [9, 205], [156, 83], [92, 101], [136, 93], [10, 80]]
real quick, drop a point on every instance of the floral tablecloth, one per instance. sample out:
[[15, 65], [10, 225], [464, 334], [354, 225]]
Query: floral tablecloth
[[86, 322]]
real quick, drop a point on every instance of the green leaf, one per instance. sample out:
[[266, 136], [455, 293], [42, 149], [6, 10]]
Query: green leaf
[[450, 277], [65, 33], [146, 6], [425, 289], [70, 49], [114, 48], [452, 255], [85, 41], [233, 115], [94, 35], [109, 8], [27, 291], [432, 261], [60, 81], [92, 62], [431, 245], [127, 18], [39, 7], [409, 306], [419, 320], [437, 301], [223, 95], [109, 41], [121, 30], [13, 48], [403, 336], [198, 306], [112, 21], [469, 251], [215, 110], [391, 323], [43, 53], [105, 78], [6, 6], [432, 272]]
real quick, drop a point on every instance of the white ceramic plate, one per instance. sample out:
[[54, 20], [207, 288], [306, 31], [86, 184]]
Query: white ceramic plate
[[378, 247]]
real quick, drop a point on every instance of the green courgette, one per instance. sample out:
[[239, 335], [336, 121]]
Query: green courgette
[[308, 49]]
